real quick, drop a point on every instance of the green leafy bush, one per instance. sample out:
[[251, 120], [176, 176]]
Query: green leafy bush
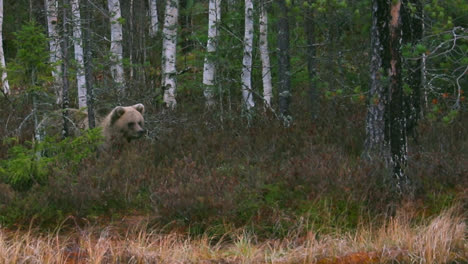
[[31, 162]]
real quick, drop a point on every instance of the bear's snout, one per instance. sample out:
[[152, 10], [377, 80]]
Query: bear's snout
[[141, 132]]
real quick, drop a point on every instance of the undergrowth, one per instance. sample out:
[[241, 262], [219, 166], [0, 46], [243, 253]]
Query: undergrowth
[[209, 173]]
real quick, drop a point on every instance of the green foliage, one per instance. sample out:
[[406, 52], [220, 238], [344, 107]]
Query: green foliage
[[450, 117], [121, 20], [24, 167], [32, 162], [30, 67]]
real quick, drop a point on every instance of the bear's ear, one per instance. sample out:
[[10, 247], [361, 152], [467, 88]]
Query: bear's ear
[[140, 108], [117, 113]]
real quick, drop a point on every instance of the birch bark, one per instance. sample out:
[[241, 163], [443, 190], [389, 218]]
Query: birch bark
[[154, 22], [79, 55], [214, 16], [265, 57], [246, 76], [55, 49], [5, 85], [116, 50], [169, 53]]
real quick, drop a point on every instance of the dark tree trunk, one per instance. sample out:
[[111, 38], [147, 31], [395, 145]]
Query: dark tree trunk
[[397, 117], [386, 118], [88, 67], [65, 97], [284, 67], [311, 64], [412, 35]]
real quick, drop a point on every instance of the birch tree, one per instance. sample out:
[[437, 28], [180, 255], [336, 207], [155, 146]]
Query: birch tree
[[55, 49], [265, 56], [246, 76], [169, 46], [79, 56], [154, 22], [214, 17], [116, 49], [5, 85]]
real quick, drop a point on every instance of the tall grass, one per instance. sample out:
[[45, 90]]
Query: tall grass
[[441, 239]]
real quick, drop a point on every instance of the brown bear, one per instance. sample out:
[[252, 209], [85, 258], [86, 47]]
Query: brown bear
[[123, 124]]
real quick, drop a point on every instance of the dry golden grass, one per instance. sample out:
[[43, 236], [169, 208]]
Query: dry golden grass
[[441, 239]]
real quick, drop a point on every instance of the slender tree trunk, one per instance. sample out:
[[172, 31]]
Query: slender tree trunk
[[424, 87], [424, 103], [79, 56], [51, 7], [284, 67], [154, 24], [38, 131], [265, 56], [209, 69], [88, 67], [65, 97], [311, 64], [246, 76], [132, 42], [412, 34], [169, 71], [375, 146], [116, 49], [5, 85]]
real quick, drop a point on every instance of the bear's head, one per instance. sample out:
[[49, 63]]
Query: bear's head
[[128, 121]]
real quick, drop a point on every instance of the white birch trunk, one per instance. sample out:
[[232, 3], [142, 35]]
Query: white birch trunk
[[154, 24], [5, 85], [169, 53], [116, 50], [265, 57], [54, 47], [214, 16], [246, 75], [79, 55]]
